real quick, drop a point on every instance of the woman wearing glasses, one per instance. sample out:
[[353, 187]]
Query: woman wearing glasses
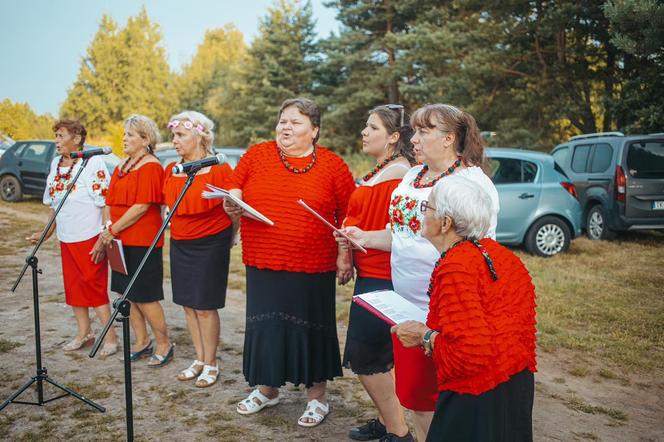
[[201, 235], [447, 141], [368, 350]]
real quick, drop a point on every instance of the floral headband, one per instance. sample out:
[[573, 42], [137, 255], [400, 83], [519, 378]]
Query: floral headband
[[187, 125]]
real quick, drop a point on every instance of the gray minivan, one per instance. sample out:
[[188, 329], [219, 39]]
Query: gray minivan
[[619, 179]]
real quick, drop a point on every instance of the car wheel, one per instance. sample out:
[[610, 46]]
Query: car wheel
[[596, 228], [548, 236], [10, 188]]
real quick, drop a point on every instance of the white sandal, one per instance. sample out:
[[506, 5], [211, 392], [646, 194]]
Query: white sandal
[[252, 407], [191, 372], [311, 412], [206, 377]]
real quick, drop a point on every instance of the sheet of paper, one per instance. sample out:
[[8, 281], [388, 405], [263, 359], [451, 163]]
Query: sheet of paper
[[331, 226], [390, 306], [250, 212]]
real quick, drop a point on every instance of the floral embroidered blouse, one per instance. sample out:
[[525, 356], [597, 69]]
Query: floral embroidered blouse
[[81, 217]]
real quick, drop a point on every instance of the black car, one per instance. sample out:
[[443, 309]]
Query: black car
[[25, 166], [619, 180]]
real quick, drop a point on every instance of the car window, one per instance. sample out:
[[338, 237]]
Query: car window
[[559, 169], [602, 156], [580, 158], [505, 170], [35, 152], [561, 155], [19, 150], [529, 171], [646, 159]]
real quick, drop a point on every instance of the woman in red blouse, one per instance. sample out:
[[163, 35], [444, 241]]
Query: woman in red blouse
[[480, 330], [368, 350], [133, 215], [201, 235], [291, 333]]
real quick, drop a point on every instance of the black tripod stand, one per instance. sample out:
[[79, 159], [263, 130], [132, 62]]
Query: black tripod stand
[[42, 374], [123, 307]]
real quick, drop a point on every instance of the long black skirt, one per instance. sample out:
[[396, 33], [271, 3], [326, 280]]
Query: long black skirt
[[291, 328], [148, 286], [199, 270], [368, 340], [504, 414]]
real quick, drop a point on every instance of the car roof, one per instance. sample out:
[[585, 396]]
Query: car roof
[[518, 153]]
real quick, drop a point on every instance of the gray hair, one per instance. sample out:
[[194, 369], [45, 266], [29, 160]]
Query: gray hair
[[207, 135], [466, 203]]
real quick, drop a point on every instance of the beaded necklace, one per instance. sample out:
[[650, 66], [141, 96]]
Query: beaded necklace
[[122, 172], [418, 179], [67, 175], [292, 169], [480, 247], [378, 167]]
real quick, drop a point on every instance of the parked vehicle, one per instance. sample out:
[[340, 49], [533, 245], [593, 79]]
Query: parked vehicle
[[167, 155], [25, 166], [620, 180], [538, 203]]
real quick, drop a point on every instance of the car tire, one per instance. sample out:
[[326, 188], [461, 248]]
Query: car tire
[[596, 227], [10, 189], [548, 236]]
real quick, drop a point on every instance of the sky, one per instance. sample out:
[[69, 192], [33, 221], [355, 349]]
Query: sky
[[42, 41]]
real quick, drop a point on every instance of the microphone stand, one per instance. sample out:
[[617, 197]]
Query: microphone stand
[[42, 374], [123, 307]]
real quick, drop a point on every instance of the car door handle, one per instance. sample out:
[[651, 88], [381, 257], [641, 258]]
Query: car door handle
[[524, 196]]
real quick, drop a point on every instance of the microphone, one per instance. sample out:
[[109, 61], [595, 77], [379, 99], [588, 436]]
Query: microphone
[[88, 153], [219, 158]]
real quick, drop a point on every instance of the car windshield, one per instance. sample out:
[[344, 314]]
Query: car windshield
[[645, 159]]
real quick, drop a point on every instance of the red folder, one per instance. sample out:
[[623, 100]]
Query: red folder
[[116, 258]]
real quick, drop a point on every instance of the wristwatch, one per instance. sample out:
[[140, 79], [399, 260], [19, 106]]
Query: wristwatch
[[426, 342]]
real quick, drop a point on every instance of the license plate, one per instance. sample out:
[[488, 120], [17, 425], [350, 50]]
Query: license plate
[[658, 205]]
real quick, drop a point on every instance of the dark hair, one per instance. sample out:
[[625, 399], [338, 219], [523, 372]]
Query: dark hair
[[391, 117], [74, 127], [469, 144], [306, 107]]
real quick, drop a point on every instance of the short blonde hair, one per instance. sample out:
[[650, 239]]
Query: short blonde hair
[[146, 129], [196, 118]]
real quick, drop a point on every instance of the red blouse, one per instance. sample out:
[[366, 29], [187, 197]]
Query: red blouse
[[368, 209], [197, 217], [140, 186], [298, 242], [487, 328]]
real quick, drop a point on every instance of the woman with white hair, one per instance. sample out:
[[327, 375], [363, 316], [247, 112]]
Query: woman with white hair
[[480, 330], [201, 235]]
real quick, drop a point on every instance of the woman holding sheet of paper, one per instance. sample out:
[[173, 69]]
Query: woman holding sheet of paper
[[133, 216], [201, 238], [480, 330], [291, 333]]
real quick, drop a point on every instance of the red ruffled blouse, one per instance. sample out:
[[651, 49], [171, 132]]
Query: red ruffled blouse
[[139, 186], [487, 328], [197, 217], [298, 242], [368, 209]]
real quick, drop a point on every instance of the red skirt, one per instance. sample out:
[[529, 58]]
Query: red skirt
[[86, 283], [415, 377]]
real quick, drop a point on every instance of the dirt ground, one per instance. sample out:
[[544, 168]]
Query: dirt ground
[[568, 405]]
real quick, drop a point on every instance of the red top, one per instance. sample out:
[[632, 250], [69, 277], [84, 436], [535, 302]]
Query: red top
[[139, 186], [197, 217], [368, 209], [487, 328], [298, 242]]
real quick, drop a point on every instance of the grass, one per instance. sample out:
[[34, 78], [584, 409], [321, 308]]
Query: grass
[[6, 345], [574, 403]]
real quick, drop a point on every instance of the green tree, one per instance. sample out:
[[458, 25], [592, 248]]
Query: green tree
[[19, 121]]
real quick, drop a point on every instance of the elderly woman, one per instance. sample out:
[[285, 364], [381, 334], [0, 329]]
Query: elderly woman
[[448, 143], [84, 268], [480, 330], [201, 235], [368, 349], [291, 333], [133, 215]]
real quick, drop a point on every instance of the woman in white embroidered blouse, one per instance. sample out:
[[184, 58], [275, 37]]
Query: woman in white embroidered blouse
[[79, 222]]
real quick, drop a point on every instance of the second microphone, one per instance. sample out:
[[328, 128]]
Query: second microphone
[[219, 158]]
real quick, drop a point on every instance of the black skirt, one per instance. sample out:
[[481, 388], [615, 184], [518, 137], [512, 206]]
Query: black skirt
[[199, 270], [148, 286], [291, 329], [504, 414], [368, 340]]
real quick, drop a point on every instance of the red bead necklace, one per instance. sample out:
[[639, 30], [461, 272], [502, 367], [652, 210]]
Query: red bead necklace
[[289, 166], [67, 175], [124, 170], [418, 179], [378, 167]]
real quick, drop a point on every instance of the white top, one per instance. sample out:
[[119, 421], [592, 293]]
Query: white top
[[413, 256], [80, 218]]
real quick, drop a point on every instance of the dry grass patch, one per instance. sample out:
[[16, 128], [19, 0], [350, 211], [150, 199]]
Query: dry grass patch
[[6, 345]]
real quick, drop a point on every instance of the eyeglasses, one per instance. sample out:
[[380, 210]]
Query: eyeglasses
[[397, 108], [424, 206]]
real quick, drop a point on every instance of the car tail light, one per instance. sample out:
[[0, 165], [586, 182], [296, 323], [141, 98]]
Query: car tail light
[[571, 188], [621, 184]]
